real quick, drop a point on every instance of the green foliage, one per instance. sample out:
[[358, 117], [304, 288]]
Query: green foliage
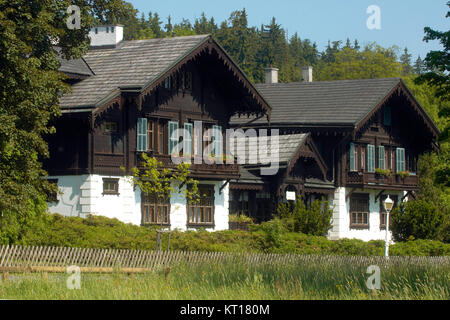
[[419, 219], [163, 182], [270, 237], [241, 218], [349, 63], [383, 172], [316, 220]]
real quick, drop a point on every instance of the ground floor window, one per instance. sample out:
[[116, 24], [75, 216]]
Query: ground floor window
[[359, 211], [383, 211], [155, 210], [202, 213], [239, 203]]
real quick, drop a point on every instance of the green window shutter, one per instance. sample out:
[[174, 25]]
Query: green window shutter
[[370, 158], [387, 116], [352, 157], [142, 134], [381, 157], [400, 159], [217, 141], [173, 139], [187, 139]]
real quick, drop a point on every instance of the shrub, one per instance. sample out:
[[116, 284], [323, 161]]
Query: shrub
[[315, 220], [419, 219]]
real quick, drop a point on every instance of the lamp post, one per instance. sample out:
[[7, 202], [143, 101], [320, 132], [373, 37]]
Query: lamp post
[[388, 204]]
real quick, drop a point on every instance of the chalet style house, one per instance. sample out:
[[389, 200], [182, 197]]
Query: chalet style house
[[127, 98], [369, 134], [351, 142]]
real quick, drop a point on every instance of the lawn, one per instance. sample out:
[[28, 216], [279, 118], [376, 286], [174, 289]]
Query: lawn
[[310, 277]]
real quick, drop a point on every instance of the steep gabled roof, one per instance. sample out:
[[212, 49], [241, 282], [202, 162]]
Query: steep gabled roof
[[139, 65], [290, 149], [343, 102]]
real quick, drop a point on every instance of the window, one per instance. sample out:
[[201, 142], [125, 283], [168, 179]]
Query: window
[[363, 158], [400, 159], [111, 127], [387, 115], [96, 30], [370, 158], [168, 83], [412, 164], [173, 137], [161, 139], [151, 134], [155, 210], [359, 211], [383, 211], [239, 202], [202, 212], [111, 186], [217, 140], [353, 157], [381, 158], [112, 29], [107, 29], [187, 139], [142, 134]]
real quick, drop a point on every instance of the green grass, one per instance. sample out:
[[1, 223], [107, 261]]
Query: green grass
[[311, 277]]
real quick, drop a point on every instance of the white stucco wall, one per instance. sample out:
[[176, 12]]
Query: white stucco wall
[[341, 216], [83, 195]]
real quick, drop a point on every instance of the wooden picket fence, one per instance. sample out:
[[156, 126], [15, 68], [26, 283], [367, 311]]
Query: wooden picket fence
[[57, 259]]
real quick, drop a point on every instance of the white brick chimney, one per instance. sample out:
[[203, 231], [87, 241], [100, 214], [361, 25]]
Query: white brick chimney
[[271, 75], [106, 36], [307, 74]]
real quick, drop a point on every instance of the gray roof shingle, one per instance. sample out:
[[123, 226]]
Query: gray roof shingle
[[287, 147], [132, 63], [344, 102]]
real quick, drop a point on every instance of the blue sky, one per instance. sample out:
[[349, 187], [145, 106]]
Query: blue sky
[[402, 21]]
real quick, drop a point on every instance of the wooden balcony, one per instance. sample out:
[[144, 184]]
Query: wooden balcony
[[374, 180], [208, 171]]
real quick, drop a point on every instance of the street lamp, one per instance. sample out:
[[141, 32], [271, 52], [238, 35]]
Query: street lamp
[[388, 204]]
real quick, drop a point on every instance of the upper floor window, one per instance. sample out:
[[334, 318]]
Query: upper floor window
[[400, 159], [370, 158], [381, 158], [353, 157]]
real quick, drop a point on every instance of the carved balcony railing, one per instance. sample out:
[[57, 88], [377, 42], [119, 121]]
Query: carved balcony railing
[[201, 170], [355, 178]]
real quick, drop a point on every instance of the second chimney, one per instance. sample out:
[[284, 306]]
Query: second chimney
[[307, 74], [271, 75], [106, 36]]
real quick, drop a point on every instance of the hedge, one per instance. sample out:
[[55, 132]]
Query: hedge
[[101, 232]]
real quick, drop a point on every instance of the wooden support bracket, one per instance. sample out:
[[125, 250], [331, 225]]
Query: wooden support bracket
[[224, 185]]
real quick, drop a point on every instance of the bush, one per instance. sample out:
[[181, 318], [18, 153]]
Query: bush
[[270, 237], [315, 220], [419, 219]]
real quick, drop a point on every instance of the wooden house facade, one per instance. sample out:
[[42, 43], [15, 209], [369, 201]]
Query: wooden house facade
[[369, 133], [128, 98]]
